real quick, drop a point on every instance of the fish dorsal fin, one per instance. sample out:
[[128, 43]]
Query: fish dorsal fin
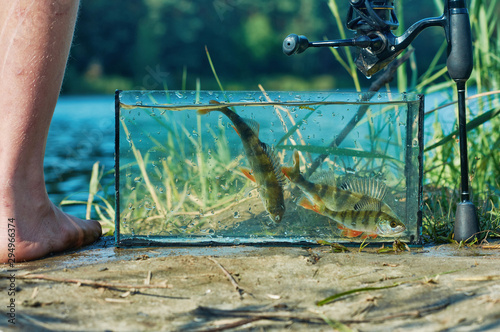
[[323, 177], [368, 204], [254, 125], [271, 154], [366, 186]]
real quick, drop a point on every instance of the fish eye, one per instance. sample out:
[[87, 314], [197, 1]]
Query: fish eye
[[393, 224]]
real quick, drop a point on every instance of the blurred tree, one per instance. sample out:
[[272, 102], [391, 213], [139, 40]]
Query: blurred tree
[[148, 43]]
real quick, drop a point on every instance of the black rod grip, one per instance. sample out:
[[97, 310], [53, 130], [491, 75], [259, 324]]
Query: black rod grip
[[460, 60]]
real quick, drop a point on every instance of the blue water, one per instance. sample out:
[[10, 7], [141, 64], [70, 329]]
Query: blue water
[[81, 133]]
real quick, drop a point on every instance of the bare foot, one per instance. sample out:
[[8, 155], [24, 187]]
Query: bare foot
[[49, 231]]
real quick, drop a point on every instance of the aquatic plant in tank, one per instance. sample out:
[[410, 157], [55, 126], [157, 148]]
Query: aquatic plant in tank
[[203, 167]]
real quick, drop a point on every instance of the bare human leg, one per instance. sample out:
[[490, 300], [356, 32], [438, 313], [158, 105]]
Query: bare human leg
[[35, 36]]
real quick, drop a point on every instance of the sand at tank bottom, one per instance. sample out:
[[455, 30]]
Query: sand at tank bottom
[[256, 288]]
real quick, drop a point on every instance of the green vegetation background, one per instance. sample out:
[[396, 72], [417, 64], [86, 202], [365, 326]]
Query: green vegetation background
[[150, 44]]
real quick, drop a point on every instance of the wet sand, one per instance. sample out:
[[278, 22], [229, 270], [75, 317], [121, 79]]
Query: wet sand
[[434, 288]]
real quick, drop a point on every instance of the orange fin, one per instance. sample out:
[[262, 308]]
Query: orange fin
[[352, 233], [347, 232], [306, 204], [287, 171], [236, 130], [248, 173]]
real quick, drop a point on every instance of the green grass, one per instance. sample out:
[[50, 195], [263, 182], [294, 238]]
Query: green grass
[[441, 163]]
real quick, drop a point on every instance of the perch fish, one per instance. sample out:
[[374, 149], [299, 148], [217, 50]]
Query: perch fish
[[265, 168], [356, 204]]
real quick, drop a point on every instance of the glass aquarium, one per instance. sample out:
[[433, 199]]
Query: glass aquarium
[[204, 167]]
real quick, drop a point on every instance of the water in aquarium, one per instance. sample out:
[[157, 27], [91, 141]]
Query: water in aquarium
[[204, 167]]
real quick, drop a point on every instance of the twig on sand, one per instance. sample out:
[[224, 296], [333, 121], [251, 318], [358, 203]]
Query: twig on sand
[[249, 316], [147, 281], [491, 246], [86, 282], [230, 325], [111, 300], [261, 314], [480, 278], [412, 313], [230, 277]]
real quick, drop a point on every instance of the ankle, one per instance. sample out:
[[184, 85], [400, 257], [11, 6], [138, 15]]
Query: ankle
[[23, 186]]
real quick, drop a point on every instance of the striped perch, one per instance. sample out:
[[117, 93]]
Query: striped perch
[[356, 204], [265, 168]]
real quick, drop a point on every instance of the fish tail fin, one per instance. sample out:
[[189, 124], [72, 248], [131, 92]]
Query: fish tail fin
[[294, 171], [204, 111]]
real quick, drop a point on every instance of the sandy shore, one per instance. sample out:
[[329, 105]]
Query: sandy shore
[[103, 288]]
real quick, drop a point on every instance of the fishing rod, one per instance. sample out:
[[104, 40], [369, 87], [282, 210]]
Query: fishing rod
[[373, 22]]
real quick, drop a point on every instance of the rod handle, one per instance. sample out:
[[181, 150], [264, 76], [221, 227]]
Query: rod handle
[[459, 60]]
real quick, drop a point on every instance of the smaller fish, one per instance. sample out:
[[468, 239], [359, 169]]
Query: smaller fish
[[355, 204], [369, 223], [265, 168]]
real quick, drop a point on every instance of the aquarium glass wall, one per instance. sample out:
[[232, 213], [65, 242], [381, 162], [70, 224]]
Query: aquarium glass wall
[[202, 167]]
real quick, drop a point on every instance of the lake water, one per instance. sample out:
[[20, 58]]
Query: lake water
[[82, 132]]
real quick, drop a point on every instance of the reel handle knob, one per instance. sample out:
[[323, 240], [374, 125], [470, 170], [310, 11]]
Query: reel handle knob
[[294, 44]]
